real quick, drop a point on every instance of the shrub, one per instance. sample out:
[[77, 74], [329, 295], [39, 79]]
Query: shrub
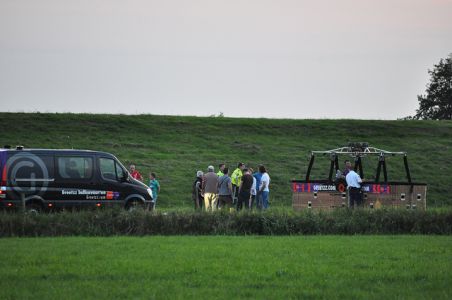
[[110, 222]]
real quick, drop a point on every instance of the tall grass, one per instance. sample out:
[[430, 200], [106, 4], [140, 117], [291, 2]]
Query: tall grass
[[110, 222]]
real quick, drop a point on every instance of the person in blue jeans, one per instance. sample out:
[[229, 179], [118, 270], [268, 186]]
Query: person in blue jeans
[[264, 187], [258, 176]]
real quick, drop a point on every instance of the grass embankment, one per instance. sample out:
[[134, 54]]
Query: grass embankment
[[140, 223], [331, 267], [175, 147]]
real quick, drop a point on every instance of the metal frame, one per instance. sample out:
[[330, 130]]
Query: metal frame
[[357, 151]]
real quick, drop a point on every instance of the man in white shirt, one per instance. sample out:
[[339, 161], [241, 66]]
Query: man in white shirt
[[263, 188], [354, 189]]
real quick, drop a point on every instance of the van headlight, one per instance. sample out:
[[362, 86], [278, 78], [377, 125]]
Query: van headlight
[[150, 193]]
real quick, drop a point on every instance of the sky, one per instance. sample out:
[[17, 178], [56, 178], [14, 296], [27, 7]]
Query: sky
[[357, 59]]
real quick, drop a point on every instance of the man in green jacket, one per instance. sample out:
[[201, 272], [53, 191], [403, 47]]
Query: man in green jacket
[[236, 177]]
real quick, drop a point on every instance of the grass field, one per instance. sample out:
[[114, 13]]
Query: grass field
[[176, 147], [378, 267]]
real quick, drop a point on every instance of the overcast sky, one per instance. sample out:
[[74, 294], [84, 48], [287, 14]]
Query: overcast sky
[[247, 58]]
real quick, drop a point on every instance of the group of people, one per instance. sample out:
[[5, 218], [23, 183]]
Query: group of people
[[154, 184], [244, 188]]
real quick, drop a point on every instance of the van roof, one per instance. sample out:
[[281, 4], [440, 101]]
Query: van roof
[[66, 151]]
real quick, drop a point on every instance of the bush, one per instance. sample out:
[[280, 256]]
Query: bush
[[138, 223]]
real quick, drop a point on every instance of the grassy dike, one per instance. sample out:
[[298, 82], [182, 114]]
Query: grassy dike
[[219, 267], [175, 147]]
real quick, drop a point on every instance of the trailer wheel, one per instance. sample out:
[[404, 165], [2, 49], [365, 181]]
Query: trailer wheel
[[341, 185]]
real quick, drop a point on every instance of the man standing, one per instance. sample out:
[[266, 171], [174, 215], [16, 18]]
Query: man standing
[[258, 175], [354, 189], [210, 189], [224, 190], [245, 190], [135, 174], [197, 196], [264, 186], [220, 171], [253, 190], [236, 177]]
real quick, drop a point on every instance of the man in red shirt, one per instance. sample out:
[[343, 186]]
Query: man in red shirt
[[135, 174]]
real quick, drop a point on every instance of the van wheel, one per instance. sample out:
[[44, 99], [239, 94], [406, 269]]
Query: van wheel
[[135, 205], [33, 208]]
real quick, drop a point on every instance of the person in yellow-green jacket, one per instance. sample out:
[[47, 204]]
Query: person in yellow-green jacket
[[236, 177], [220, 170]]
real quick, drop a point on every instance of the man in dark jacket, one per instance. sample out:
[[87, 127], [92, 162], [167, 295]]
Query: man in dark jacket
[[245, 190], [197, 196]]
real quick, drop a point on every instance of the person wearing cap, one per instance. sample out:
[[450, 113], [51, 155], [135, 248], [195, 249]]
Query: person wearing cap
[[197, 196], [210, 189], [236, 178]]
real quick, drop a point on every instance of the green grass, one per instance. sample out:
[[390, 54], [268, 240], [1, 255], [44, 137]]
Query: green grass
[[176, 147], [337, 267]]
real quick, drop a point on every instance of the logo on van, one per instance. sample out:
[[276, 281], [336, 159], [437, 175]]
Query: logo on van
[[27, 174], [92, 194]]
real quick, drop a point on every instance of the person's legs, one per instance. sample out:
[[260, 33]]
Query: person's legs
[[155, 203], [259, 200], [214, 202], [220, 202], [265, 200], [239, 201], [207, 200], [244, 199], [252, 199], [359, 199], [351, 201], [201, 202], [235, 194], [229, 203], [354, 195]]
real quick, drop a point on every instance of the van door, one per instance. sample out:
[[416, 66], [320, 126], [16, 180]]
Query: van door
[[111, 176], [75, 180]]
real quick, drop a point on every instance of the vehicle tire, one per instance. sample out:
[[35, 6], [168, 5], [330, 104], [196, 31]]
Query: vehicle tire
[[133, 205], [33, 208], [341, 185]]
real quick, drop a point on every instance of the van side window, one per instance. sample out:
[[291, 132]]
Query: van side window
[[28, 166], [108, 168], [73, 167]]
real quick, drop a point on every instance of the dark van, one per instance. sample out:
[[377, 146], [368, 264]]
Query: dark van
[[46, 179]]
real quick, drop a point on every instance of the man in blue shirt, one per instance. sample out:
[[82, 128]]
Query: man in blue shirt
[[354, 189]]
